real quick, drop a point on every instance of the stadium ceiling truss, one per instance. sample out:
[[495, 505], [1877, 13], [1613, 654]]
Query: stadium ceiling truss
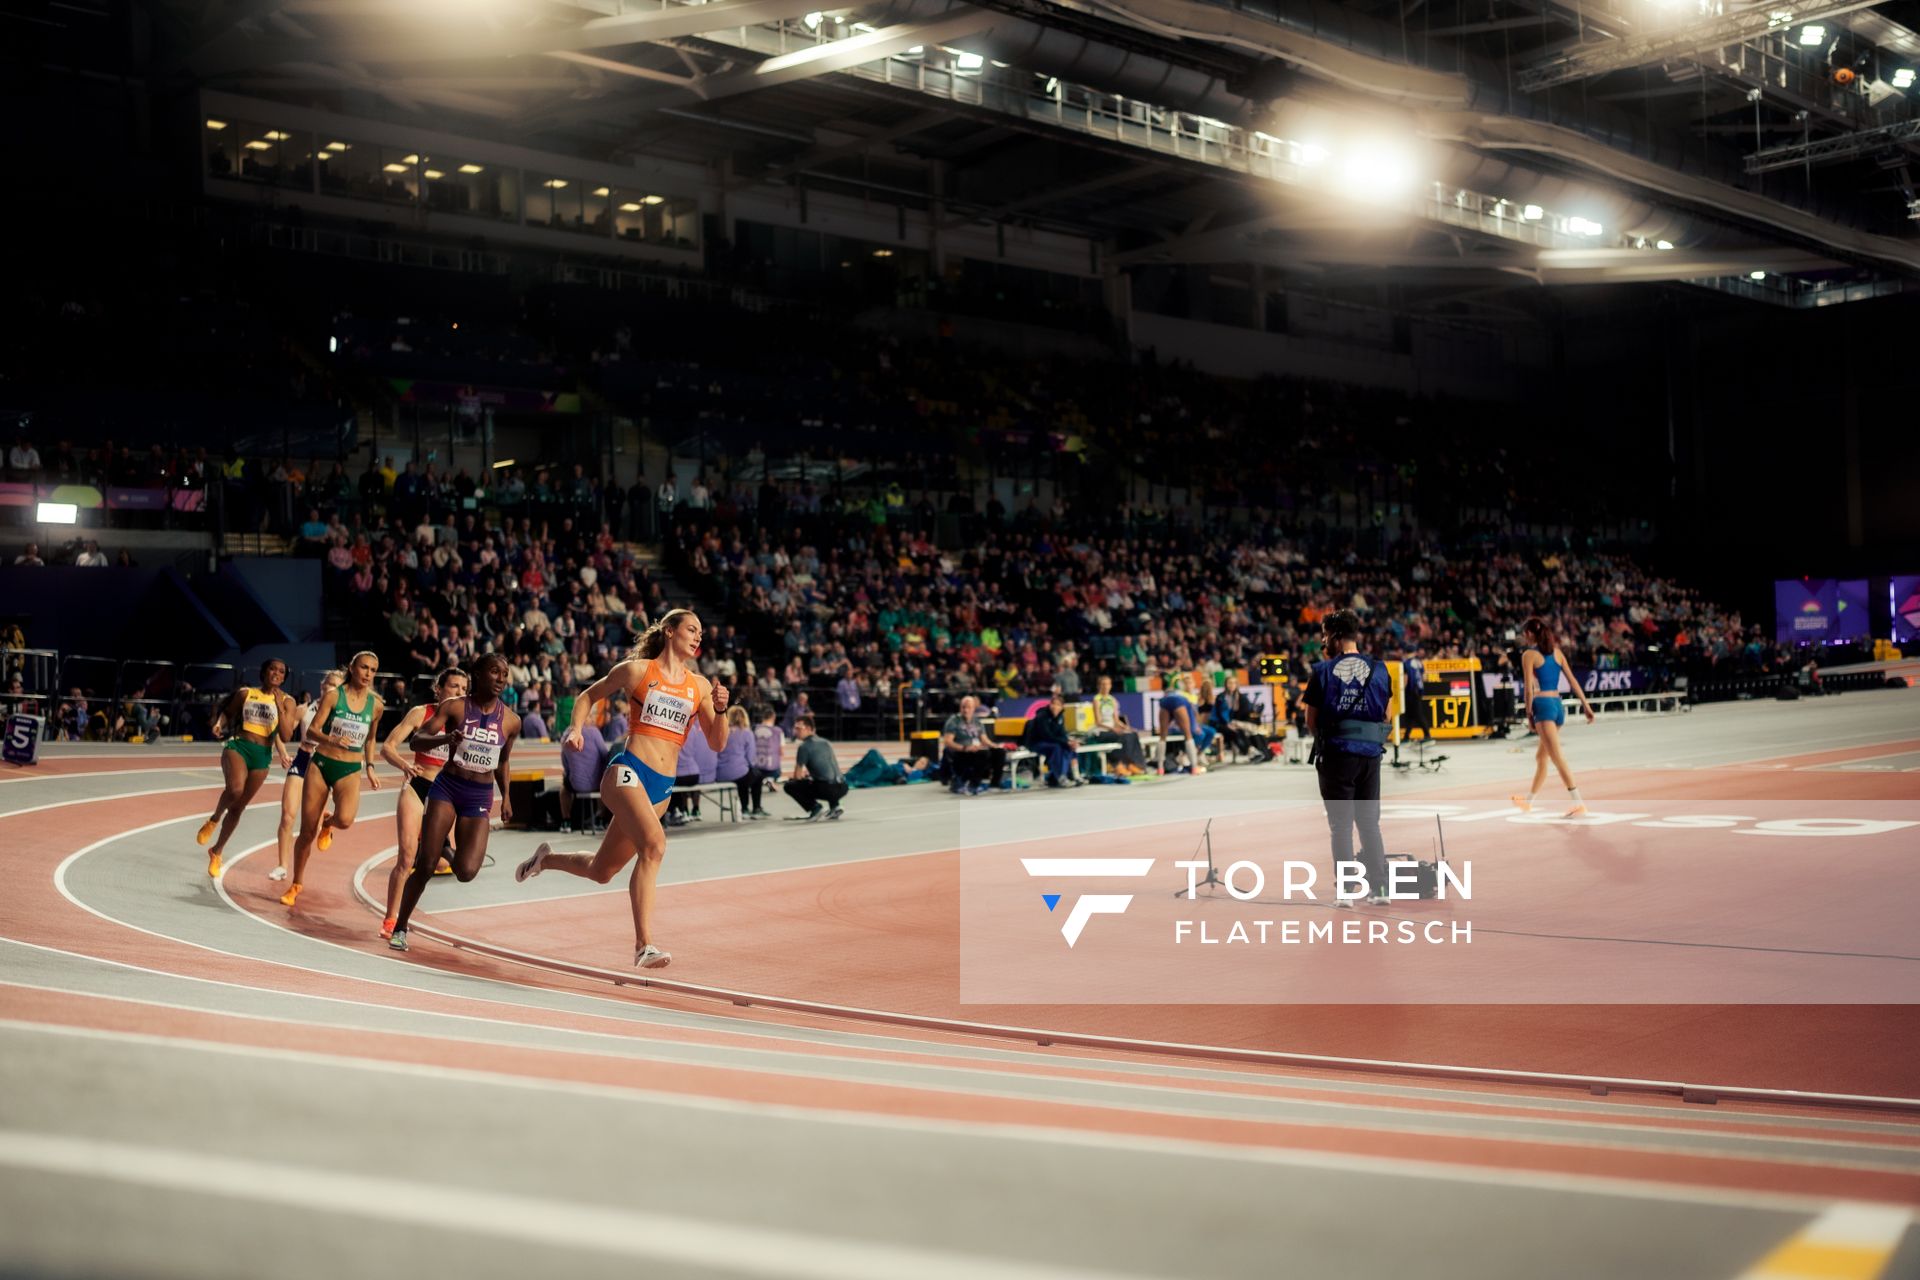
[[906, 100]]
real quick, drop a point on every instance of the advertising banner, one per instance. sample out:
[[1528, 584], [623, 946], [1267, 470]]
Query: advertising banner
[[1904, 596], [1805, 610]]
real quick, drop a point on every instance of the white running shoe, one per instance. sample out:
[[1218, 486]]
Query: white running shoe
[[1349, 904], [533, 866], [278, 873], [397, 940], [651, 957]]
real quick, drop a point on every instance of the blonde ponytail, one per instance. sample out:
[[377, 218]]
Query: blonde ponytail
[[652, 642]]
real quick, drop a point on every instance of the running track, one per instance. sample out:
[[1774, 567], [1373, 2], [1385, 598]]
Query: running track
[[193, 1078]]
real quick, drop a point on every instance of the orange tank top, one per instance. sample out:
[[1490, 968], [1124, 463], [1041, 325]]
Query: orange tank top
[[665, 709]]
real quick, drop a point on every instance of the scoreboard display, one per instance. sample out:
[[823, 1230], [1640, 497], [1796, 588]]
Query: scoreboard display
[[1449, 695]]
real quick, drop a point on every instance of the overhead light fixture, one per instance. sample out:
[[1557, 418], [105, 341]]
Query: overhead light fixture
[[1756, 275], [503, 464], [1376, 173], [394, 168], [336, 146], [1053, 85], [333, 345], [653, 199], [435, 175], [883, 253], [970, 62], [1903, 78], [813, 21], [1312, 153], [866, 27], [917, 50], [257, 145], [554, 183], [1583, 227], [411, 159], [1533, 213], [1663, 244], [603, 191], [470, 168], [629, 207], [275, 135], [59, 513], [1813, 34], [216, 124]]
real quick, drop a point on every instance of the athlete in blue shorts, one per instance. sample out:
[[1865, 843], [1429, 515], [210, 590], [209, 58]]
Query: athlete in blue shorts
[[1542, 664]]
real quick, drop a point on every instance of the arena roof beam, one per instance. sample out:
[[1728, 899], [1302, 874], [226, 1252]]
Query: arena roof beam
[[1596, 59], [1843, 147], [1053, 195], [814, 60], [820, 156], [422, 40]]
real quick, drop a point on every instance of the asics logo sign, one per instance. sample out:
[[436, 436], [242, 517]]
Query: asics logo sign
[[1088, 905]]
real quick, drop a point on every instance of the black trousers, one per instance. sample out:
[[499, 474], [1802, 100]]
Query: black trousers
[[749, 787], [808, 792], [1350, 789], [988, 765]]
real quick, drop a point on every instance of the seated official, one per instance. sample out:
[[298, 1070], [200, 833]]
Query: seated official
[[816, 785], [1238, 716], [1047, 738], [1110, 726], [736, 764], [698, 766], [580, 770], [971, 755]]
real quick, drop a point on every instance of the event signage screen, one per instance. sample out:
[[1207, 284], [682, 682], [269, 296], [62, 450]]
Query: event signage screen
[[1820, 610], [1904, 595]]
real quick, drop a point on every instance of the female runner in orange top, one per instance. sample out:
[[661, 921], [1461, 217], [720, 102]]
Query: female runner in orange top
[[669, 699]]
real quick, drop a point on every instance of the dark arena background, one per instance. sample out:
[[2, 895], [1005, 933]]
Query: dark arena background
[[957, 525]]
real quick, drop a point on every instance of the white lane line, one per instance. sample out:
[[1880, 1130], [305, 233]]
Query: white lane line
[[113, 773], [738, 1247], [121, 795], [1361, 1112], [1390, 1166]]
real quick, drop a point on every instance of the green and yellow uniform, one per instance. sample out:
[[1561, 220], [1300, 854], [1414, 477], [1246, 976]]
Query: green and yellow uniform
[[259, 714], [352, 727]]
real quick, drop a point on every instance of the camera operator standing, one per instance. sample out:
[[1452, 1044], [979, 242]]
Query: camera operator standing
[[1346, 705]]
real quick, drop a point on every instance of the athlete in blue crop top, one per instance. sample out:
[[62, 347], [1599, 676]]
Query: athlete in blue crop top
[[1542, 665]]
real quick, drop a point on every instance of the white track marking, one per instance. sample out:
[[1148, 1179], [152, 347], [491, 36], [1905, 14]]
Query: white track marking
[[124, 795], [737, 1247], [1401, 1167], [1361, 1106]]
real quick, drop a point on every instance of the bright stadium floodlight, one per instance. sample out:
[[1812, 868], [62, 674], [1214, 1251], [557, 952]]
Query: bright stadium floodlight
[[813, 21], [1756, 275], [1813, 34], [1312, 153], [59, 513], [216, 124], [1532, 213], [1903, 78], [1376, 173], [971, 62], [1584, 227], [470, 168], [1663, 244]]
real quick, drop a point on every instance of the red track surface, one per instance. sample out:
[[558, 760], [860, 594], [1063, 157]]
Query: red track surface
[[817, 932]]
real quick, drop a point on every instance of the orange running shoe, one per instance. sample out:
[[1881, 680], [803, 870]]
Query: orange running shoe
[[325, 841], [205, 834], [213, 865], [386, 926], [1523, 803], [287, 899]]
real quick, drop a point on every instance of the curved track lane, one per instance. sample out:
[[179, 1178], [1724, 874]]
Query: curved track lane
[[172, 1049]]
